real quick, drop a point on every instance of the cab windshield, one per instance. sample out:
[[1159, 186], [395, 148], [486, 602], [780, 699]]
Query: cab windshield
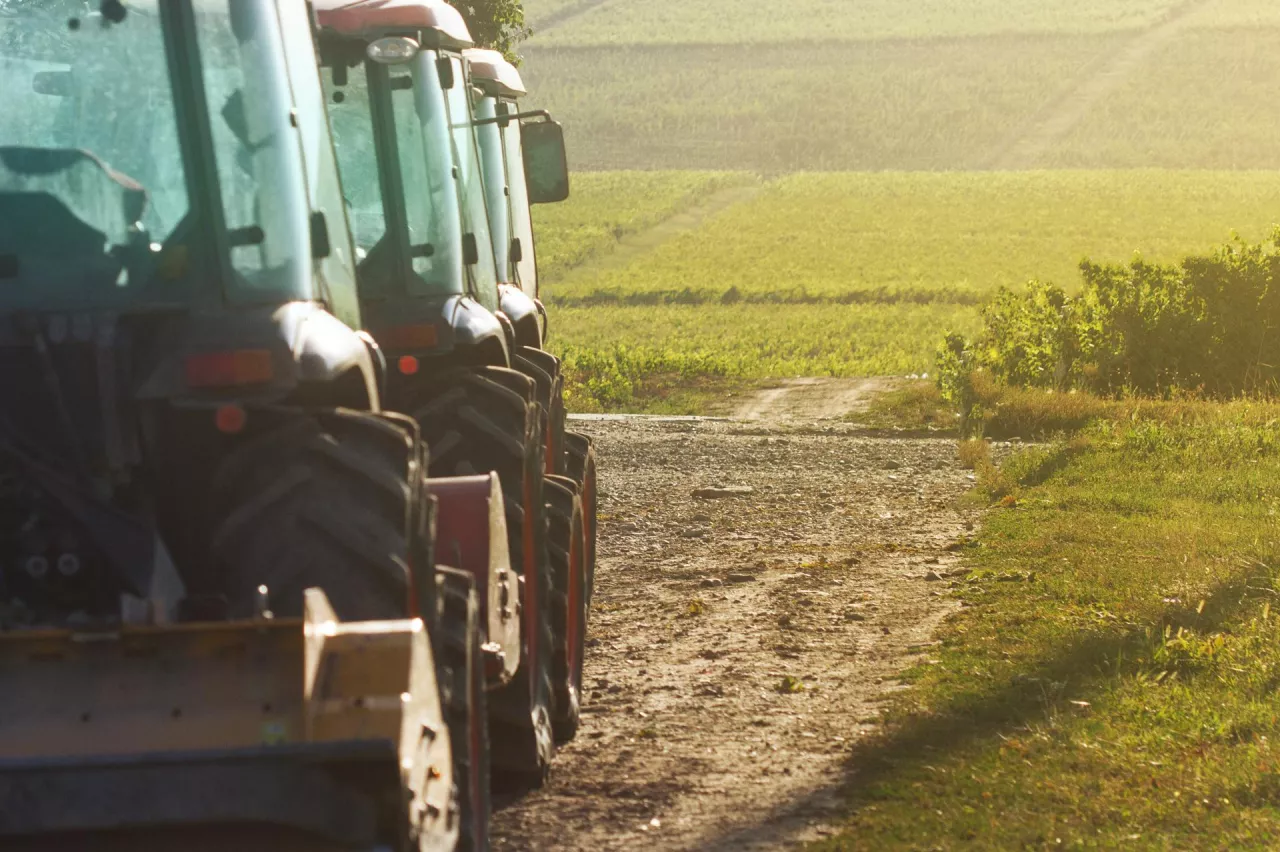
[[97, 173], [413, 178]]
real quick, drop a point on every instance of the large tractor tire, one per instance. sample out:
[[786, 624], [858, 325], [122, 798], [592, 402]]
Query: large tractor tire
[[477, 420], [567, 546], [461, 663], [581, 468], [544, 369], [333, 500], [318, 500]]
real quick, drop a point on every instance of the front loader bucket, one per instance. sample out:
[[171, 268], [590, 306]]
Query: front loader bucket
[[263, 734]]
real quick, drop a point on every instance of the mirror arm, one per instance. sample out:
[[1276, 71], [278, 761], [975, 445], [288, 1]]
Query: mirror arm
[[519, 116]]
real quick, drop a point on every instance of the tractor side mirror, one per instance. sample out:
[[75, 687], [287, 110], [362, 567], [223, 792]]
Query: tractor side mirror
[[56, 83], [546, 165]]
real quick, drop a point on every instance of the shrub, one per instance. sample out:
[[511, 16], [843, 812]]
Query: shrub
[[1208, 326]]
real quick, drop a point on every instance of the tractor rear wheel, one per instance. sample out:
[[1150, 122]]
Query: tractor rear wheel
[[477, 420], [581, 468], [461, 663], [331, 500], [567, 546], [318, 500]]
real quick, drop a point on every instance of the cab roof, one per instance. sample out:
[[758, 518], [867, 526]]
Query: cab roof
[[441, 24], [494, 74]]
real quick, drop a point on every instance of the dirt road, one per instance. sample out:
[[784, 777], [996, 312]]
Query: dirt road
[[741, 643]]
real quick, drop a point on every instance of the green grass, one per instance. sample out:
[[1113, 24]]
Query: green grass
[[620, 358], [757, 21], [916, 406], [926, 104], [1111, 682], [606, 206], [933, 237], [1205, 100]]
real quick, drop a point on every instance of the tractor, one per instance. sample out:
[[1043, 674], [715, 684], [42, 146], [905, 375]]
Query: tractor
[[511, 142], [401, 107], [221, 620]]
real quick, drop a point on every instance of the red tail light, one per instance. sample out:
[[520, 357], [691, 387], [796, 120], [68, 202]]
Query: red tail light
[[229, 369]]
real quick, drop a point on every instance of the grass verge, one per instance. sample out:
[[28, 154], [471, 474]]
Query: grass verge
[[1111, 681]]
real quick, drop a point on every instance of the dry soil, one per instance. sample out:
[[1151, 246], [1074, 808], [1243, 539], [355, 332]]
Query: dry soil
[[740, 645]]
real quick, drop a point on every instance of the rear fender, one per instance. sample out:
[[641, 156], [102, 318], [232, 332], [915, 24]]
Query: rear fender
[[456, 331], [471, 535], [523, 313], [312, 354]]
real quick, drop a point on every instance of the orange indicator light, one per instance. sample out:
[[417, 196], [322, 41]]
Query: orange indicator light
[[230, 419]]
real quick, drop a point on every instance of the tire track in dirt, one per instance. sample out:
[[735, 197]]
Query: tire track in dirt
[[812, 399], [741, 646], [1028, 148]]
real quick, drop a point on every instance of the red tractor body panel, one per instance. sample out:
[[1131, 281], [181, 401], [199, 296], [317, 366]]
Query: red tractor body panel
[[472, 536]]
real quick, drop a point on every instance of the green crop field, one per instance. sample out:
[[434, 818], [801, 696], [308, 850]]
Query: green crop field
[[849, 274], [633, 358], [1239, 13], [900, 105], [607, 206], [885, 85], [1202, 101], [885, 133], [542, 10], [755, 21], [951, 237]]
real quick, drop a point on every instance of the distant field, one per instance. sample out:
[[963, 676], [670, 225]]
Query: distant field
[[877, 126], [539, 10], [606, 206], [833, 95], [1206, 100], [758, 21], [830, 106], [954, 237], [850, 274], [1227, 13]]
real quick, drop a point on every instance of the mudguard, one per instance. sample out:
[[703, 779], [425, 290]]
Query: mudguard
[[437, 328], [307, 346], [523, 313], [471, 535]]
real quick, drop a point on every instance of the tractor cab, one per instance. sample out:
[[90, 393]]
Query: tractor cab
[[524, 163], [166, 183], [400, 103], [173, 259]]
